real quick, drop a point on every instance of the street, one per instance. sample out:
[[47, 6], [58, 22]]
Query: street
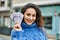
[[4, 37]]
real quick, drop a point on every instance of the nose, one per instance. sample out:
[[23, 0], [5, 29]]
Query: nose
[[31, 17]]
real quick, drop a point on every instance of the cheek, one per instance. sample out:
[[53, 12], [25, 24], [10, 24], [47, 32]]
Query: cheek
[[25, 17], [34, 18]]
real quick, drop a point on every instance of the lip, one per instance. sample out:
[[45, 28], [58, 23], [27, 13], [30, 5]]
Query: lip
[[29, 21]]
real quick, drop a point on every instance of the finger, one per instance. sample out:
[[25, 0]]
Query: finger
[[17, 27]]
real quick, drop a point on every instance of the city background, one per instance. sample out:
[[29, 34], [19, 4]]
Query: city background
[[50, 10]]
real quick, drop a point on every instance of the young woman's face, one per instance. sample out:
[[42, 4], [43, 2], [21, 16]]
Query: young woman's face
[[30, 16]]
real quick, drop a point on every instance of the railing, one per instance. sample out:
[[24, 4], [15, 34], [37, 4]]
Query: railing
[[57, 36]]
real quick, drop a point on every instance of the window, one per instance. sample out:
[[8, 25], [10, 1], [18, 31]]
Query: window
[[9, 3], [48, 22], [2, 3], [7, 21], [17, 9]]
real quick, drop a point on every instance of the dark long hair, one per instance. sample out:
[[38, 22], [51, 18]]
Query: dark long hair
[[39, 19]]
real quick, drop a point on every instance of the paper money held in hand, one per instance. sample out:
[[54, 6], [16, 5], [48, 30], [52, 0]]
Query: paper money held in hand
[[17, 16]]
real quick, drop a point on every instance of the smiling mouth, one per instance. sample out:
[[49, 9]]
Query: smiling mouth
[[29, 21]]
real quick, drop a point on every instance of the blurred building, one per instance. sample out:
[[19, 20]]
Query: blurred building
[[5, 12]]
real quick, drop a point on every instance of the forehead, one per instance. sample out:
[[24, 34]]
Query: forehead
[[31, 10]]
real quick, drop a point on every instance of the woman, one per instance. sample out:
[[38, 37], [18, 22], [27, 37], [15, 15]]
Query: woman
[[31, 27]]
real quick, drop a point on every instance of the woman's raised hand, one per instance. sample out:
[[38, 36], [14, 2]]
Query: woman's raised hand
[[17, 26]]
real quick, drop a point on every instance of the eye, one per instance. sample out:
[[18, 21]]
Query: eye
[[28, 14], [33, 15]]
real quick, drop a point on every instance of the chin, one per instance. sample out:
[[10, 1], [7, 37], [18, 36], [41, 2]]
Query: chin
[[29, 23]]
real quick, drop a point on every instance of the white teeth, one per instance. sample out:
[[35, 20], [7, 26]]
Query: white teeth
[[29, 21]]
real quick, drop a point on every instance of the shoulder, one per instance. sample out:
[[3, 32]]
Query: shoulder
[[43, 29]]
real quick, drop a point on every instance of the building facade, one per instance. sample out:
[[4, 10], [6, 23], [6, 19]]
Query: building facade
[[5, 13]]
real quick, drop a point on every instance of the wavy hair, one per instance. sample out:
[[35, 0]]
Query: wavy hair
[[39, 19]]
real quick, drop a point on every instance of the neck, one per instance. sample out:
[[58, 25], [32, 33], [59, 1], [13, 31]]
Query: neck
[[24, 25]]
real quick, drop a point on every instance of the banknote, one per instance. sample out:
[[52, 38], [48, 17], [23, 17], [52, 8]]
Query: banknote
[[17, 17]]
